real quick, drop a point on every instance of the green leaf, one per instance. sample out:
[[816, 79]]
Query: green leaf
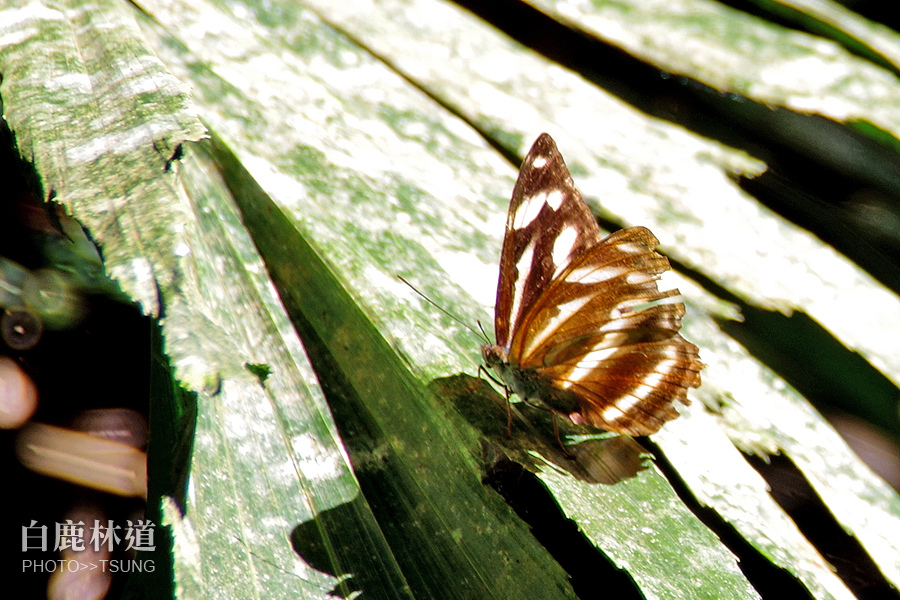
[[732, 51], [873, 41], [449, 539]]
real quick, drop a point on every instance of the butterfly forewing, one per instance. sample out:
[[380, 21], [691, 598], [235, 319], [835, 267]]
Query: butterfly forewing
[[547, 225], [580, 321]]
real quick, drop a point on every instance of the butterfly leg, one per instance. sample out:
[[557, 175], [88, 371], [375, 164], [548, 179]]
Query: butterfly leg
[[487, 373], [509, 416], [568, 454]]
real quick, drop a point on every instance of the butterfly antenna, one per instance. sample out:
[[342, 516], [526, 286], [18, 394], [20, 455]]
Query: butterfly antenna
[[483, 334], [440, 308]]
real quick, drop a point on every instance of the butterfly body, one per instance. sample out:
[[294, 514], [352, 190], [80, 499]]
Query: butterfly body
[[581, 325], [528, 384]]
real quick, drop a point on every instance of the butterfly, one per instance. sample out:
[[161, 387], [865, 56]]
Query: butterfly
[[581, 326]]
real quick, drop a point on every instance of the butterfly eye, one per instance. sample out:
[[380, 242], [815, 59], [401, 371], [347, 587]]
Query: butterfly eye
[[492, 355]]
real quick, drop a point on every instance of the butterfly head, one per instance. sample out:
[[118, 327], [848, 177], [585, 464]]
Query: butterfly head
[[494, 356], [496, 360]]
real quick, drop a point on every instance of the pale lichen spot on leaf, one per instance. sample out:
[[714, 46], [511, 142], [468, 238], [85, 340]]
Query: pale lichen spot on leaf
[[315, 460]]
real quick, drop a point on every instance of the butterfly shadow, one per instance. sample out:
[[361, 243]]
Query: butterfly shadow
[[597, 457]]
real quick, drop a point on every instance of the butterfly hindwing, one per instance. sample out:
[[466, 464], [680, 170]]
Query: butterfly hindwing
[[595, 288], [580, 321]]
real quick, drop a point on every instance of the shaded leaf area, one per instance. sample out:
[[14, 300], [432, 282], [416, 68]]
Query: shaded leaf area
[[850, 559], [173, 420], [768, 578]]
